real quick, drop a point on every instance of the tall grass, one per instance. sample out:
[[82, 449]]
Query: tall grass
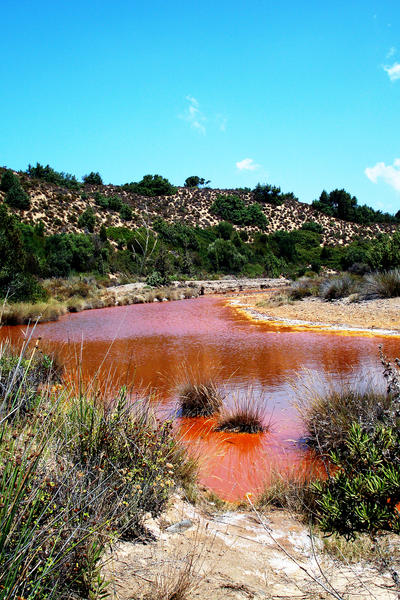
[[76, 474], [383, 285], [247, 414], [329, 409], [338, 287]]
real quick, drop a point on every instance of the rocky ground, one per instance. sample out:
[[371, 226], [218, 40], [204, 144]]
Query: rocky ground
[[366, 315], [201, 553]]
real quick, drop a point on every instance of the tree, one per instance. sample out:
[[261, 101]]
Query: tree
[[18, 198], [93, 178], [125, 212], [9, 180], [87, 220], [152, 185], [194, 181]]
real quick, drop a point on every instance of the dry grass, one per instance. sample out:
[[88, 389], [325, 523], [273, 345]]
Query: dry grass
[[383, 285], [246, 415], [289, 490], [328, 409], [22, 313], [200, 399]]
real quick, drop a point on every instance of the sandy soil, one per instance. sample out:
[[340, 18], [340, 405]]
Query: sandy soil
[[235, 555], [368, 315]]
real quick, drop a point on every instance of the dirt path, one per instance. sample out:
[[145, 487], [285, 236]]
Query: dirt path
[[234, 556], [368, 316]]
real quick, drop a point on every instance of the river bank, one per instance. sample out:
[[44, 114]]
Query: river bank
[[370, 317], [236, 554], [21, 313]]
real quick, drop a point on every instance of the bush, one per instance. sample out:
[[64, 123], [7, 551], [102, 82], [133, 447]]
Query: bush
[[76, 474], [224, 256], [328, 412], [303, 288], [93, 178], [9, 180], [18, 198], [155, 279], [87, 220], [48, 174], [232, 208], [312, 226], [114, 203], [194, 181], [247, 415], [338, 287], [101, 200], [125, 213], [152, 185], [363, 493], [383, 285]]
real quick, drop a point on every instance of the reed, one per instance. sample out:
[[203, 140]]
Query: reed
[[246, 415], [328, 409], [385, 284], [200, 399]]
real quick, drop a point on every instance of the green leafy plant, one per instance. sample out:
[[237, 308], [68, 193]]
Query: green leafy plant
[[363, 493]]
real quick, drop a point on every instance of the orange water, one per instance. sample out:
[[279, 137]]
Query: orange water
[[152, 343]]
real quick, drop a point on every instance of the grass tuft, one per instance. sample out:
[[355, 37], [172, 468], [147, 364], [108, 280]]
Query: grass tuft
[[246, 415], [383, 285], [200, 399], [328, 410]]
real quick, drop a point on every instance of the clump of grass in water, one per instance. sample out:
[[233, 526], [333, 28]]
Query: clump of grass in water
[[198, 395], [247, 415], [329, 409], [200, 399]]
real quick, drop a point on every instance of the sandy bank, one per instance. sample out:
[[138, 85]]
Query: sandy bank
[[381, 316], [238, 555]]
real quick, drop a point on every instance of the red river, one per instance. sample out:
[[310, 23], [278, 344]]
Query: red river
[[153, 344]]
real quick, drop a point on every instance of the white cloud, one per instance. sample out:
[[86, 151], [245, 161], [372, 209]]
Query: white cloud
[[221, 122], [247, 164], [391, 52], [194, 116], [393, 71], [389, 173]]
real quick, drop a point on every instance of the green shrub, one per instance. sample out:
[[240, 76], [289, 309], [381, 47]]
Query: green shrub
[[125, 213], [224, 256], [312, 226], [155, 279], [101, 200], [9, 180], [48, 174], [93, 178], [232, 208], [383, 285], [18, 198], [363, 492], [87, 220], [114, 203], [337, 287], [152, 185]]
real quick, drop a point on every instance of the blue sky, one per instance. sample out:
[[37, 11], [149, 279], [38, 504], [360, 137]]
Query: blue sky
[[305, 95]]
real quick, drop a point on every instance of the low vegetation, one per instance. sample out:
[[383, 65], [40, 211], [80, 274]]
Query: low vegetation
[[200, 399], [356, 433], [245, 415], [78, 472]]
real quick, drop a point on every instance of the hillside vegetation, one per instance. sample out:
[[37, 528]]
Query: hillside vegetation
[[52, 225]]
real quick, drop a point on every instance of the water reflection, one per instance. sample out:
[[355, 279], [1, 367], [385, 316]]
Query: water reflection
[[150, 344]]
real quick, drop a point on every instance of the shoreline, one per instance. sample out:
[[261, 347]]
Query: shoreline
[[317, 315], [23, 313]]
